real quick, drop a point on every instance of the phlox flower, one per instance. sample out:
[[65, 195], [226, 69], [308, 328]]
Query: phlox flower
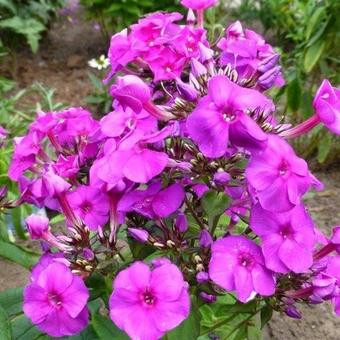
[[288, 239], [56, 301], [237, 264], [279, 177], [221, 117], [91, 205], [148, 303]]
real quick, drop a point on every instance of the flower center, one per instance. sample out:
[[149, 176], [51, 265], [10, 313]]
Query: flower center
[[229, 117], [148, 298], [286, 231], [54, 300], [284, 167], [246, 260], [86, 207]]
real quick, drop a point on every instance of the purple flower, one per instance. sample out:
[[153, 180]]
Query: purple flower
[[237, 264], [153, 202], [279, 177], [327, 106], [288, 239], [199, 4], [148, 303], [120, 52], [136, 161], [131, 91], [251, 56], [91, 205], [56, 301], [221, 117], [37, 226]]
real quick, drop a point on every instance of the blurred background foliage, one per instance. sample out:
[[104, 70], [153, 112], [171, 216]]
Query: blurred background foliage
[[115, 15], [26, 19]]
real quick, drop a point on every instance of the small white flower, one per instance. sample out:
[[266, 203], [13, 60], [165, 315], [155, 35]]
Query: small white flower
[[100, 63]]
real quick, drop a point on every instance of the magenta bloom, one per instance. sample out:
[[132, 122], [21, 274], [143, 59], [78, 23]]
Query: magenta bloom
[[279, 177], [37, 226], [199, 4], [131, 91], [327, 106], [153, 202], [56, 301], [91, 205], [148, 303], [288, 239], [237, 264], [221, 117]]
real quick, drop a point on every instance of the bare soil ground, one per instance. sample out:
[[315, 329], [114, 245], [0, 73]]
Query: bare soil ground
[[61, 63]]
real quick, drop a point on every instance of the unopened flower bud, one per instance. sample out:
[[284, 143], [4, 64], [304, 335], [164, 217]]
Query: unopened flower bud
[[139, 235], [197, 68], [292, 312], [202, 277], [221, 178], [187, 91], [181, 223], [205, 239], [208, 297], [37, 226], [269, 63], [191, 18]]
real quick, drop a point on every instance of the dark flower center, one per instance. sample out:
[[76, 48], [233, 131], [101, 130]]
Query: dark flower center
[[148, 298], [286, 231], [246, 260], [284, 167], [229, 116], [86, 207], [54, 300]]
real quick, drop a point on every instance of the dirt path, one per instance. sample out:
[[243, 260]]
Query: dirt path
[[62, 64]]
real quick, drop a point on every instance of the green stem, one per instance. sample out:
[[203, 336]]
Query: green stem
[[194, 215]]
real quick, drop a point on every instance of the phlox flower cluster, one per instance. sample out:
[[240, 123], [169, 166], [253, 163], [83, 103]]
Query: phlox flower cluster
[[191, 123]]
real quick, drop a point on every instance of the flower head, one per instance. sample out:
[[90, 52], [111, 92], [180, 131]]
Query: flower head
[[237, 264], [56, 301], [147, 303]]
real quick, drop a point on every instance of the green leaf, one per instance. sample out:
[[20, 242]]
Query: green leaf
[[294, 94], [11, 300], [314, 21], [18, 254], [23, 329], [188, 329], [106, 329], [324, 147], [16, 219], [313, 54], [215, 203], [5, 326], [266, 315], [30, 28]]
